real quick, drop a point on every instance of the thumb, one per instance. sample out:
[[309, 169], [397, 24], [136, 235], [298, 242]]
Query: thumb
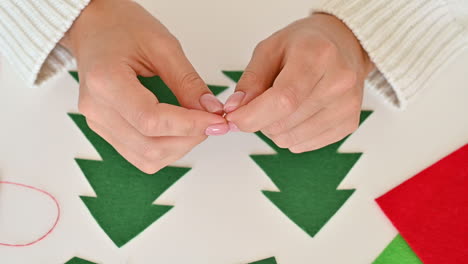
[[177, 72], [258, 76]]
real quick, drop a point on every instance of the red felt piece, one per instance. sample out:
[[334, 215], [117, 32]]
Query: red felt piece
[[430, 210]]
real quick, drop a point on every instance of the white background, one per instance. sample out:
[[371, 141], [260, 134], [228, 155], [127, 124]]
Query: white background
[[220, 215]]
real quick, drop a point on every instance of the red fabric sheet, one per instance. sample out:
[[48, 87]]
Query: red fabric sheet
[[430, 210]]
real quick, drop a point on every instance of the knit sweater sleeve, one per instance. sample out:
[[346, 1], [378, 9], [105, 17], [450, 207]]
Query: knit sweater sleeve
[[408, 40], [30, 31]]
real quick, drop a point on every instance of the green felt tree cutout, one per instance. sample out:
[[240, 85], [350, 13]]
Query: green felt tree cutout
[[233, 75], [76, 260], [307, 181], [159, 88], [265, 261], [398, 252], [123, 205]]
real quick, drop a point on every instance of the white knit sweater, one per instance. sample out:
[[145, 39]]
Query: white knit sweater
[[408, 40]]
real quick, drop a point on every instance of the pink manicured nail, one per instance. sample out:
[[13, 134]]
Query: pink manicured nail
[[234, 101], [233, 127], [217, 130], [211, 103]]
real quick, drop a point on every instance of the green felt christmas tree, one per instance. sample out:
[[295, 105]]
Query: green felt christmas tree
[[123, 205], [307, 182], [78, 261], [265, 261], [398, 252]]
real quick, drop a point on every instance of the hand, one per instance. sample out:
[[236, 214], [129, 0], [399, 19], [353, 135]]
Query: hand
[[113, 42], [303, 87]]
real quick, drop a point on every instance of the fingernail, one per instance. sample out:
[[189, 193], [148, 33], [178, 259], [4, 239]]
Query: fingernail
[[211, 103], [233, 127], [217, 130], [234, 101]]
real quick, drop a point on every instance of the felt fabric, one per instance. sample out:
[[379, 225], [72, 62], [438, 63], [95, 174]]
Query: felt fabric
[[159, 88], [397, 252], [271, 260], [430, 210], [76, 260], [123, 206], [233, 75], [308, 182]]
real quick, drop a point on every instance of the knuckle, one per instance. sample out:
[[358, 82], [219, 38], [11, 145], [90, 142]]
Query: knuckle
[[287, 99], [85, 107], [325, 50], [322, 49], [297, 150], [347, 81], [352, 126], [327, 47], [167, 43], [95, 77], [191, 80], [355, 104], [170, 41], [247, 125], [306, 147], [304, 44], [93, 126], [152, 153], [285, 140], [190, 126], [149, 167], [148, 123], [275, 128], [262, 46]]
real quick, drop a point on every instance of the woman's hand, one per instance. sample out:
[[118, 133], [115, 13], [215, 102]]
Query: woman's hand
[[113, 42], [303, 87]]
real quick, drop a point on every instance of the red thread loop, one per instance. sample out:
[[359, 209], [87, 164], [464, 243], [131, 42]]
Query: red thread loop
[[50, 230]]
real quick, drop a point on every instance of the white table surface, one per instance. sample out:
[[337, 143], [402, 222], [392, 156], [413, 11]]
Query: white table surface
[[220, 215]]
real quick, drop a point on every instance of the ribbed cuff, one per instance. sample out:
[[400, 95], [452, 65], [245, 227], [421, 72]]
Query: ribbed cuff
[[408, 40], [30, 31]]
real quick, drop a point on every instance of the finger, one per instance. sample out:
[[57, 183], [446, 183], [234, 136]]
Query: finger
[[306, 110], [136, 160], [335, 88], [258, 76], [293, 85], [168, 60], [326, 138], [325, 119], [136, 104], [147, 154], [110, 120]]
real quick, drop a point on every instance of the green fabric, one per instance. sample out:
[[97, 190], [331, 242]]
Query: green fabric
[[75, 76], [78, 261], [398, 252], [265, 261], [159, 88], [233, 75], [307, 181], [123, 206]]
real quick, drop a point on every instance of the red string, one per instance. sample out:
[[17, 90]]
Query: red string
[[50, 230]]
